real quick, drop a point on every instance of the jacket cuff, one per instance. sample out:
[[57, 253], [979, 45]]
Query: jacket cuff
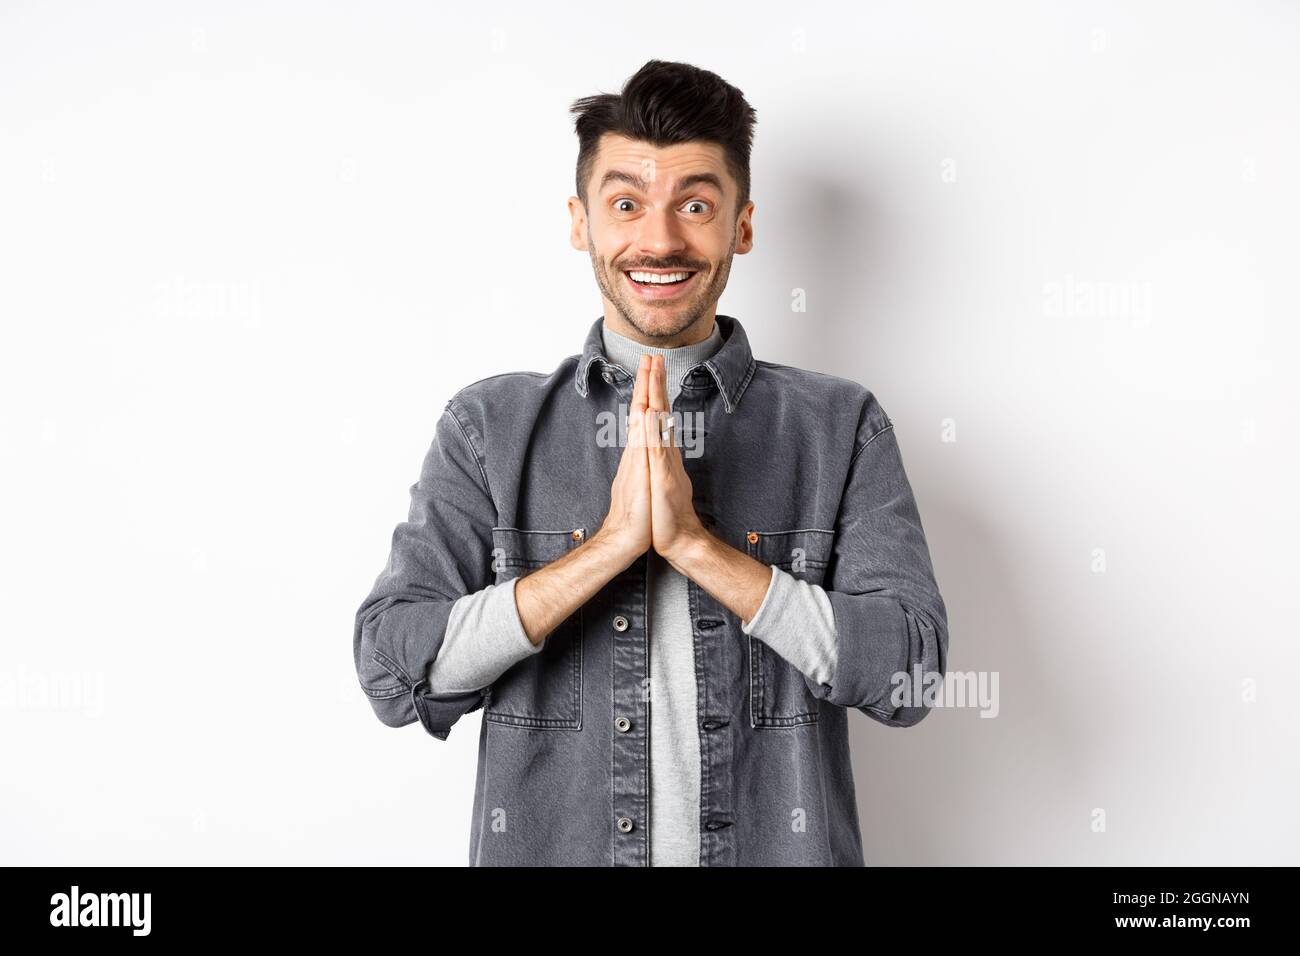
[[438, 714], [871, 646]]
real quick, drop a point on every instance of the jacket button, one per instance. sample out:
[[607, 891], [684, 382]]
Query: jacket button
[[620, 623], [623, 725], [625, 824]]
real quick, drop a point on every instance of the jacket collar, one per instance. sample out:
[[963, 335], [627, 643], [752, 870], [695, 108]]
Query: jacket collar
[[730, 368]]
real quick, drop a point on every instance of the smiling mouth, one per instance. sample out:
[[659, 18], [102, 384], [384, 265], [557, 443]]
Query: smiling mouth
[[652, 279]]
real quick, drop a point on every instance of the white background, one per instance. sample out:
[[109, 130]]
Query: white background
[[247, 252]]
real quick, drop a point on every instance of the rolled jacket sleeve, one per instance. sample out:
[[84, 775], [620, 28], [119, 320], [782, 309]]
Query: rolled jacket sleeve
[[889, 617], [440, 553]]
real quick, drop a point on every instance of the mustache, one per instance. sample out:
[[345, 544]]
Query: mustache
[[679, 266]]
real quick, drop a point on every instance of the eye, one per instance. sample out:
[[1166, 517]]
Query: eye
[[699, 202], [619, 202]]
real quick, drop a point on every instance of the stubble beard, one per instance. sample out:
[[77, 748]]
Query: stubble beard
[[637, 316]]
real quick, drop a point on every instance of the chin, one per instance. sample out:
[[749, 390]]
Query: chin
[[663, 322]]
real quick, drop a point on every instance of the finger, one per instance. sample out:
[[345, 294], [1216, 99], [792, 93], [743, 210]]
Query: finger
[[658, 404], [636, 427], [658, 385], [660, 452], [641, 388], [667, 424], [651, 428], [636, 411]]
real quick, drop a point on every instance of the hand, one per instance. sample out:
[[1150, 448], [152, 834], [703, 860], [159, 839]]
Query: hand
[[626, 528], [675, 527]]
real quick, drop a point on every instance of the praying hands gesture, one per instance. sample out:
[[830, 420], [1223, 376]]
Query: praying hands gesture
[[650, 506], [673, 522], [650, 499]]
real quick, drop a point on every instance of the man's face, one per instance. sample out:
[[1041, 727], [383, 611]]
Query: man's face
[[663, 211]]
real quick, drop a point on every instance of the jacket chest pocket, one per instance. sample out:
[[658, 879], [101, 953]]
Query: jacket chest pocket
[[544, 690], [779, 694]]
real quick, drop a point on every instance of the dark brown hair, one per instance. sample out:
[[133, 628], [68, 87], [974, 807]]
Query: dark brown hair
[[665, 103]]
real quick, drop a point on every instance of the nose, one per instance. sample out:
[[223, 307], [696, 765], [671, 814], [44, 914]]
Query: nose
[[660, 234]]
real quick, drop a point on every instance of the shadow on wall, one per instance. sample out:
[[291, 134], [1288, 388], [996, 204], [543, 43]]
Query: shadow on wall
[[958, 789]]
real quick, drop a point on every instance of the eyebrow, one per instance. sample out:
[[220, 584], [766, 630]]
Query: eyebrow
[[636, 182]]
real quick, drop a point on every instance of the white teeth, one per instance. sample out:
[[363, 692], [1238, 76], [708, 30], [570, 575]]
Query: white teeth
[[657, 279]]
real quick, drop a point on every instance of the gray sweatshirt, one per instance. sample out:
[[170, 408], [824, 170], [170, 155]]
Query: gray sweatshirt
[[485, 638]]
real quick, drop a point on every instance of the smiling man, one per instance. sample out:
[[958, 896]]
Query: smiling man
[[665, 648]]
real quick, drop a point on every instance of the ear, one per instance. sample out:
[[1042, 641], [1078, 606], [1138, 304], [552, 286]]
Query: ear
[[578, 224], [745, 229]]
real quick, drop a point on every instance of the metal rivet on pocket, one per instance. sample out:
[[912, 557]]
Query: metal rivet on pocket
[[577, 534], [753, 537], [620, 623], [625, 824], [623, 725]]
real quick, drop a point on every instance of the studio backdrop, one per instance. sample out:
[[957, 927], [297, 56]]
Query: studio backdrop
[[248, 251]]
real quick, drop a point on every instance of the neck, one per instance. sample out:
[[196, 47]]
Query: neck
[[693, 334], [678, 360]]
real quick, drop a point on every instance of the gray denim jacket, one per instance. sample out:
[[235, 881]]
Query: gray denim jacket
[[798, 469]]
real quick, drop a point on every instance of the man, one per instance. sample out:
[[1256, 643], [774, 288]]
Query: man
[[665, 618]]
